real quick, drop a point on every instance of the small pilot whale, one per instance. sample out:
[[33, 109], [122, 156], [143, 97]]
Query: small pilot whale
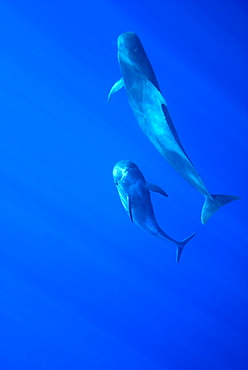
[[150, 109], [134, 193]]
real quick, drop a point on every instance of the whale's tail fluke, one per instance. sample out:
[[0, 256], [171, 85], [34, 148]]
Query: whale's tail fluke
[[180, 246], [213, 203]]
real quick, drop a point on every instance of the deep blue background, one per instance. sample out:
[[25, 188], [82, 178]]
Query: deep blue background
[[81, 287]]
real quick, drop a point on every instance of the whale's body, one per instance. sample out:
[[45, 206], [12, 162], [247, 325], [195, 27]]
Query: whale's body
[[150, 110], [134, 193]]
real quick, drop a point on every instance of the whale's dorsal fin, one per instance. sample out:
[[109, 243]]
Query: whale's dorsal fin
[[129, 208], [154, 92], [156, 95], [116, 87], [155, 188]]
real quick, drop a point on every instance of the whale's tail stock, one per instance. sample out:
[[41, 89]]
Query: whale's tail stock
[[213, 203]]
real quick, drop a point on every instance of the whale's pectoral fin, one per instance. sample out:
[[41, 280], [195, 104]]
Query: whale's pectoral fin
[[116, 87], [155, 188], [129, 208]]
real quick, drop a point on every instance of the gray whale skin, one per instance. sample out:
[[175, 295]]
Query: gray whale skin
[[134, 194], [150, 110]]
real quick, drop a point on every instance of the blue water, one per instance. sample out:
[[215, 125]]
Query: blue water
[[81, 287]]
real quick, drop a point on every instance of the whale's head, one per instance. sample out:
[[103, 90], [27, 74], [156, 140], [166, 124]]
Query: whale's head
[[128, 41], [133, 59], [130, 49], [122, 169]]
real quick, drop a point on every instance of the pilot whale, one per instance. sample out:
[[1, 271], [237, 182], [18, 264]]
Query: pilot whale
[[150, 109], [135, 197]]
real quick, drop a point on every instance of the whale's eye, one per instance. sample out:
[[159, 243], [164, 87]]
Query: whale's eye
[[134, 48]]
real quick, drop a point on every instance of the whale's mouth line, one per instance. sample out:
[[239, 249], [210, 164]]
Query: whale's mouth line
[[124, 175]]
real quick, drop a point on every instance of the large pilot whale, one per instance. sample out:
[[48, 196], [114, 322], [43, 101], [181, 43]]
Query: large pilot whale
[[150, 109], [134, 193]]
